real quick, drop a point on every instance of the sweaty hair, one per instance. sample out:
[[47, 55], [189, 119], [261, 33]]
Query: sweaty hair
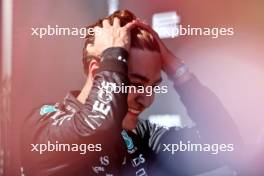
[[140, 38]]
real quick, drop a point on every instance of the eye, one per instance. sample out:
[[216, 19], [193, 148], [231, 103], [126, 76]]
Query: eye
[[154, 85]]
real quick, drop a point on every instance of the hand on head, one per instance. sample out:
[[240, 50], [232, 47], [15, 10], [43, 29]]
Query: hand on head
[[170, 62], [111, 36], [117, 36]]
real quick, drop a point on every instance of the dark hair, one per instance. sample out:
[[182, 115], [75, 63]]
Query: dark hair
[[140, 38]]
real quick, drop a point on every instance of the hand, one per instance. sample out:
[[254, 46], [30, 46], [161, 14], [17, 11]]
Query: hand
[[170, 63], [111, 36]]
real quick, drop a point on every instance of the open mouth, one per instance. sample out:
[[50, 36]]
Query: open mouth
[[134, 111]]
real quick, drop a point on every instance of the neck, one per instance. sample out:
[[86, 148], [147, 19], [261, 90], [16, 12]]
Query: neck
[[129, 123], [85, 91]]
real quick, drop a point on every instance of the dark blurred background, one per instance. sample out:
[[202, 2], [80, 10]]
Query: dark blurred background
[[44, 70]]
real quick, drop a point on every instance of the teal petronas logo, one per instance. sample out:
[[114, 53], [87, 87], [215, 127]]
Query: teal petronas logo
[[47, 109], [128, 140]]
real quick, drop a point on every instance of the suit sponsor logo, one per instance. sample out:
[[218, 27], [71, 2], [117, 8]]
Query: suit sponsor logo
[[104, 160], [138, 160], [47, 109], [141, 172], [129, 142]]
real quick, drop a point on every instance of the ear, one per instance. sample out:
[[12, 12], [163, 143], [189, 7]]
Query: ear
[[93, 66]]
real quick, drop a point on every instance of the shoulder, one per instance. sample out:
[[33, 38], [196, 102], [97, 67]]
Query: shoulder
[[157, 125], [44, 112], [41, 112]]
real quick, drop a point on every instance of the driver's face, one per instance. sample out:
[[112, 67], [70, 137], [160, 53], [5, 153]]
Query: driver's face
[[144, 69]]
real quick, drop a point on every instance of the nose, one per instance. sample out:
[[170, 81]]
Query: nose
[[144, 100]]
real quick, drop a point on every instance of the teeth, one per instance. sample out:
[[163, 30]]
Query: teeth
[[134, 111]]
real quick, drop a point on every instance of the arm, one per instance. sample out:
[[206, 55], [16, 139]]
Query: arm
[[101, 115], [205, 109], [213, 126], [213, 123], [202, 105]]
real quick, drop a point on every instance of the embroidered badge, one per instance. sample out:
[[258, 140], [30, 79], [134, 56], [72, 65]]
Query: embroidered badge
[[47, 109], [129, 142]]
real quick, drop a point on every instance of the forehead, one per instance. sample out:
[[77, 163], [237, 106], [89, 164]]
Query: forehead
[[144, 63]]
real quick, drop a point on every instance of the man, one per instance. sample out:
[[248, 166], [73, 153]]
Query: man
[[125, 52]]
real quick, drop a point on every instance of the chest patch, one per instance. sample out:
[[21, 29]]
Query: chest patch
[[47, 109]]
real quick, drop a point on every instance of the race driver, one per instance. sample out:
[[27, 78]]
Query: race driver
[[126, 51]]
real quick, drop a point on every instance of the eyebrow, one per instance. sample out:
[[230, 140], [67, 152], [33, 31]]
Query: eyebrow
[[135, 75]]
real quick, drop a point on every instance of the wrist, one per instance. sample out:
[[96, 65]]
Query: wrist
[[116, 53], [181, 75], [172, 64]]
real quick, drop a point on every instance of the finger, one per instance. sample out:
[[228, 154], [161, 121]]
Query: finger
[[89, 47], [143, 24], [138, 23], [130, 25], [97, 30], [146, 26], [106, 23], [116, 22]]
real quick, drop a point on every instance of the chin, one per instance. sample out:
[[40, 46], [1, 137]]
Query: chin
[[133, 119], [130, 121]]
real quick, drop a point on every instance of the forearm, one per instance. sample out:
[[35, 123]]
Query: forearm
[[206, 110], [214, 126]]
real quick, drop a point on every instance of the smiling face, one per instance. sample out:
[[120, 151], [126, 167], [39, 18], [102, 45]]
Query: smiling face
[[144, 70]]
